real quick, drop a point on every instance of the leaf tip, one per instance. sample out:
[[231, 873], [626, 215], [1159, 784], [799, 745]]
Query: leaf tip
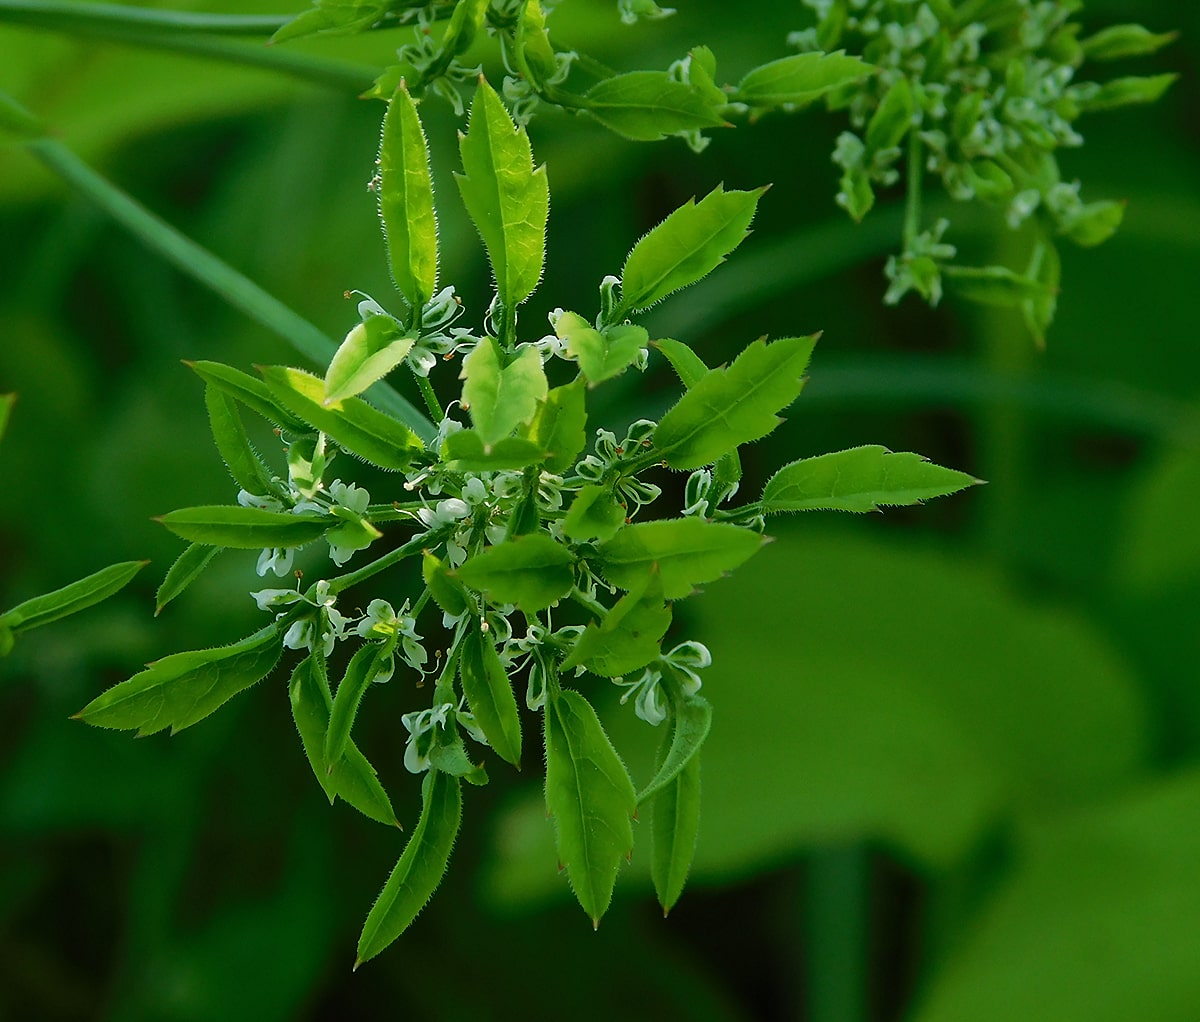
[[357, 963]]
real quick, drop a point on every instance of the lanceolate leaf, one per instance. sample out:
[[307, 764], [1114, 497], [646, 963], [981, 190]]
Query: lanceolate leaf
[[691, 719], [333, 17], [506, 197], [366, 664], [558, 428], [490, 695], [688, 366], [371, 350], [1128, 92], [799, 79], [183, 688], [648, 105], [994, 285], [188, 567], [590, 796], [688, 551], [501, 397], [629, 637], [70, 599], [686, 246], [447, 592], [230, 437], [420, 868], [733, 406], [860, 479], [247, 390], [601, 355], [530, 571], [674, 825], [406, 201], [245, 528]]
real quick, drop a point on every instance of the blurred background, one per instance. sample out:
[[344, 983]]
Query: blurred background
[[953, 773]]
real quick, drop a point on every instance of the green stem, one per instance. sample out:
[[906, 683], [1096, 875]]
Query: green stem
[[200, 264], [394, 512], [912, 202], [436, 412], [412, 547], [70, 16], [594, 607]]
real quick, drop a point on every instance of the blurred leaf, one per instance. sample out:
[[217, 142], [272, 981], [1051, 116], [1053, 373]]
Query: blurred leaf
[[188, 567], [490, 695], [371, 350], [334, 17], [16, 121], [1118, 41], [71, 598], [530, 571], [799, 79], [6, 403], [995, 285], [1130, 91], [501, 397], [245, 528], [1161, 550], [646, 106], [892, 118]]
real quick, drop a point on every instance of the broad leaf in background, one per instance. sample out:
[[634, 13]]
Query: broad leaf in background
[[799, 79], [687, 551]]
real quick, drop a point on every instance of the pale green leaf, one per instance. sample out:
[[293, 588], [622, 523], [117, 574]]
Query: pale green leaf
[[247, 390], [1130, 91], [799, 79], [530, 571], [72, 598], [188, 567], [501, 397], [489, 693], [688, 366], [646, 106], [1118, 41], [245, 528], [371, 350], [892, 118], [334, 17], [601, 354]]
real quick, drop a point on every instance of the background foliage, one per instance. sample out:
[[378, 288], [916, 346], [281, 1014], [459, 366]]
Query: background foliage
[[972, 793]]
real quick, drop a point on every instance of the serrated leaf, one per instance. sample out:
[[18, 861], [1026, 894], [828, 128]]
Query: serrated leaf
[[688, 366], [734, 405], [501, 397], [530, 571], [352, 423], [691, 717], [559, 426], [629, 637], [188, 567], [406, 201], [489, 693], [601, 354], [333, 17], [646, 106], [686, 246], [594, 514], [507, 198], [371, 350], [420, 868], [368, 661], [590, 796], [233, 444], [245, 528], [70, 599], [994, 285], [183, 688], [465, 451], [688, 552], [860, 479], [799, 79], [674, 827]]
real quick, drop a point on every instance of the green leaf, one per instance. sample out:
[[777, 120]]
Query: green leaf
[[334, 17], [530, 571], [688, 366], [590, 796], [1046, 268], [352, 778], [507, 198], [501, 397], [465, 451], [249, 391], [688, 551], [601, 354], [559, 426], [352, 423], [1119, 41], [72, 598], [691, 719], [892, 118], [368, 662], [233, 444], [188, 567], [490, 695], [371, 350], [594, 514], [183, 688], [18, 122], [447, 592], [994, 285], [629, 637], [421, 866], [733, 406], [245, 528], [860, 479], [1094, 223], [686, 246], [799, 79], [406, 201], [646, 106], [6, 403], [674, 827], [1128, 92]]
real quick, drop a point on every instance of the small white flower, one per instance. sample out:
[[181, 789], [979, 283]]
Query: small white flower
[[276, 559]]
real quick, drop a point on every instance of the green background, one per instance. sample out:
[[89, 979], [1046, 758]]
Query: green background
[[953, 770]]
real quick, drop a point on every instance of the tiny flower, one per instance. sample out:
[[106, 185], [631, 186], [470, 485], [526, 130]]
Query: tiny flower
[[276, 559]]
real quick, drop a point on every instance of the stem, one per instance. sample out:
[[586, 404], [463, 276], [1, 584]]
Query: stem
[[413, 546], [594, 607], [200, 264], [436, 412], [912, 202]]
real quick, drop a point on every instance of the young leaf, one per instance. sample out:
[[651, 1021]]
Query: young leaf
[[245, 528], [733, 406], [421, 866], [674, 826], [183, 688], [188, 567], [365, 666], [686, 246], [646, 106], [860, 479], [799, 79], [333, 17], [892, 118], [1128, 92], [371, 350], [691, 719], [1094, 223], [507, 198], [629, 637], [70, 599], [352, 423], [601, 355], [248, 391], [490, 696], [688, 551], [688, 366], [406, 201], [558, 428], [530, 571], [1119, 41], [465, 451], [501, 397], [994, 285], [594, 515], [590, 796], [233, 444]]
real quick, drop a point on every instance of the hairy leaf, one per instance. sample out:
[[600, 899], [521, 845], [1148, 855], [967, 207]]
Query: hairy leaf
[[691, 718], [70, 599], [674, 826], [371, 350], [334, 17], [799, 79], [558, 428], [646, 106], [629, 637], [501, 397], [594, 514], [465, 451], [245, 528], [601, 354], [447, 592], [188, 567], [688, 366], [530, 571], [490, 695], [247, 390], [365, 666], [233, 444]]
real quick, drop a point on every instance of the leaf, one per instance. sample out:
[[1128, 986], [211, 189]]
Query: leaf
[[674, 827], [601, 354], [371, 350], [559, 426], [490, 696], [686, 246], [501, 397], [892, 118], [1094, 223], [18, 122], [233, 444], [507, 198], [594, 514], [688, 551], [1129, 91], [333, 17], [420, 868], [733, 406], [646, 106], [691, 719], [352, 778], [799, 79], [860, 479], [188, 567], [629, 637], [1119, 41], [994, 285], [406, 201], [447, 592], [688, 366], [590, 796], [352, 423], [465, 451], [365, 666], [247, 390], [70, 599], [245, 528], [530, 571], [183, 688]]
